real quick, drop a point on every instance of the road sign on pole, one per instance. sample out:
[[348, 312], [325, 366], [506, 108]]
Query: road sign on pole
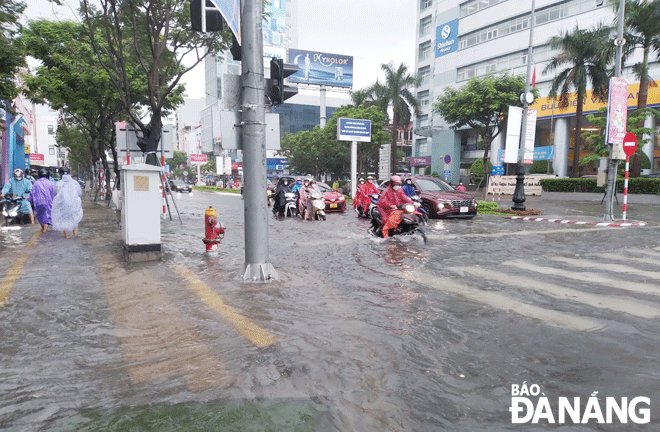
[[629, 148]]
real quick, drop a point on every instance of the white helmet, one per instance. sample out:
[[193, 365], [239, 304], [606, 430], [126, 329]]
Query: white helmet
[[18, 174]]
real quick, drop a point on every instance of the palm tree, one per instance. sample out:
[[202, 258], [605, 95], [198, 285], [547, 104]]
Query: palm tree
[[583, 57], [396, 93], [642, 23]]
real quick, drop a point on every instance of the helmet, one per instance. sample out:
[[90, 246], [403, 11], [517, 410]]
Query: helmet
[[370, 178], [408, 180], [298, 181], [396, 179], [64, 170], [43, 172], [361, 180], [18, 174]]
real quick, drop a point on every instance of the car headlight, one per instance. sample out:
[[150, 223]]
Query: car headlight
[[443, 204]]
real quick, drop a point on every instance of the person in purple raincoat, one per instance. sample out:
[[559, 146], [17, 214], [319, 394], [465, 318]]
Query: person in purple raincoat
[[41, 197]]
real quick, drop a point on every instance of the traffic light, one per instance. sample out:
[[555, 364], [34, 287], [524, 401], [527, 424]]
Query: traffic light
[[276, 90], [213, 16]]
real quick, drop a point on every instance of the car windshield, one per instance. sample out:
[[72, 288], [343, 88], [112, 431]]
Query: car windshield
[[324, 187], [178, 182], [431, 185]]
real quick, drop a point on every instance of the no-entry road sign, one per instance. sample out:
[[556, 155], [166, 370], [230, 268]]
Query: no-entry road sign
[[630, 144]]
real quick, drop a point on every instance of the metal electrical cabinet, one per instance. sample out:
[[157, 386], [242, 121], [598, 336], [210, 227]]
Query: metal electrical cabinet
[[141, 210]]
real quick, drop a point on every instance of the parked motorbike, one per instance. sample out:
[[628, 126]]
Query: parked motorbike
[[409, 224], [290, 206], [318, 206], [11, 205]]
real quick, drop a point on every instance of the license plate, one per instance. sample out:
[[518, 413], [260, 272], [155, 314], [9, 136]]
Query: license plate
[[464, 209], [333, 205]]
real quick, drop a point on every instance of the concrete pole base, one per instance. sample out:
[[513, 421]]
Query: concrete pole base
[[259, 272]]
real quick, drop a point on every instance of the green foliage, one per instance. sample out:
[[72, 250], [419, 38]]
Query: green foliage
[[209, 167], [635, 185], [217, 189], [435, 174], [482, 104], [427, 170], [318, 151], [484, 206], [477, 171], [540, 167], [177, 160], [12, 55]]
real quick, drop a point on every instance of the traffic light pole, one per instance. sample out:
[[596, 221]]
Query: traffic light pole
[[257, 266]]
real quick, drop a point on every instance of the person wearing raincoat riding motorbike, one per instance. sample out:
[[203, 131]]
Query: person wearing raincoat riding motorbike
[[367, 189], [280, 199], [391, 198], [19, 185]]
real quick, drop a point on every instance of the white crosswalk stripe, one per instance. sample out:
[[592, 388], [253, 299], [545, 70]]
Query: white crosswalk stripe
[[504, 302], [590, 277], [617, 268], [615, 303], [561, 278]]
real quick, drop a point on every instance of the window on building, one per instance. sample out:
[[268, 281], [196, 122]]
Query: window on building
[[51, 129], [425, 25], [423, 120], [425, 4], [424, 75], [424, 50], [423, 99], [422, 146], [51, 150]]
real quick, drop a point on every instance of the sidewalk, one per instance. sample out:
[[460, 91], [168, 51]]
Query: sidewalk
[[588, 212]]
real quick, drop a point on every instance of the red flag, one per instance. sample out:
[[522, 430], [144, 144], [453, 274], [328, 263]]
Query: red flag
[[534, 78]]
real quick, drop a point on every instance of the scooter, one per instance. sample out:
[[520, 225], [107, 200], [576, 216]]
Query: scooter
[[373, 206], [409, 224], [11, 205], [419, 211], [318, 206], [290, 208]]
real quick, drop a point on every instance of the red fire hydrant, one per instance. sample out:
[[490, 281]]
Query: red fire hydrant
[[214, 231]]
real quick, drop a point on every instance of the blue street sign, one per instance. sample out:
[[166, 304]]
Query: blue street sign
[[349, 129], [446, 173], [447, 159], [497, 170]]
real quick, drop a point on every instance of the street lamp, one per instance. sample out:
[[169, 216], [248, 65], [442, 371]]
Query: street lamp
[[526, 99]]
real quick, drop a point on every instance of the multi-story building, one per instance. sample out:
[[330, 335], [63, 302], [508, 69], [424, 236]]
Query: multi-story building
[[461, 39]]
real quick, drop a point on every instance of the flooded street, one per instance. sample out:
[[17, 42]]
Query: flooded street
[[358, 334]]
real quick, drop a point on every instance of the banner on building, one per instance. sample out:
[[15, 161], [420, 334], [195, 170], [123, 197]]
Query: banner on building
[[617, 111], [530, 136], [446, 38]]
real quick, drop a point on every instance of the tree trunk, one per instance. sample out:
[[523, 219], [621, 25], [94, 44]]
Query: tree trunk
[[642, 100], [150, 138], [578, 138]]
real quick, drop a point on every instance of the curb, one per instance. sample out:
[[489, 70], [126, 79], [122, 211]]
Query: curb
[[570, 222]]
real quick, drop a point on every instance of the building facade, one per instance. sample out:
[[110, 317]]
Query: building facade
[[458, 40]]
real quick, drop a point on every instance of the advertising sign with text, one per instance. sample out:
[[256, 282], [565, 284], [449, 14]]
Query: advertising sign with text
[[530, 135], [320, 68], [446, 38], [349, 129], [617, 110]]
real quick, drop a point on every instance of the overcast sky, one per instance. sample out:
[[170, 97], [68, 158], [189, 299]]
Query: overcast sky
[[372, 31]]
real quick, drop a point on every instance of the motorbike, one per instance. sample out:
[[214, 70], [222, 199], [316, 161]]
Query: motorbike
[[419, 211], [318, 206], [11, 205], [269, 194], [409, 224], [290, 207], [373, 207]]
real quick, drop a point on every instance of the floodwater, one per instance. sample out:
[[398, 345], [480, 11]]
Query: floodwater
[[357, 334]]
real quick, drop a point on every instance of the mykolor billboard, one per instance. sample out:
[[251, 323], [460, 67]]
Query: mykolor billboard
[[548, 107], [321, 68]]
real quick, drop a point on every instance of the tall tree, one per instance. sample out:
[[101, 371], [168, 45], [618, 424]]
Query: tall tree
[[12, 57], [71, 80], [152, 37], [396, 94], [582, 62], [482, 104]]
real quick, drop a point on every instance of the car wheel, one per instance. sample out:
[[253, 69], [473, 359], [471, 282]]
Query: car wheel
[[427, 209]]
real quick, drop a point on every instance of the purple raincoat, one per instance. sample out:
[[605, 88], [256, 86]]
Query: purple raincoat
[[43, 192]]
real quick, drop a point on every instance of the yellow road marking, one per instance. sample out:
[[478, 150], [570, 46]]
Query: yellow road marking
[[243, 325], [15, 271]]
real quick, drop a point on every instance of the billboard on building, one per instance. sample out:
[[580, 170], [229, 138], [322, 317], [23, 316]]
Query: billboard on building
[[446, 38], [320, 68]]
